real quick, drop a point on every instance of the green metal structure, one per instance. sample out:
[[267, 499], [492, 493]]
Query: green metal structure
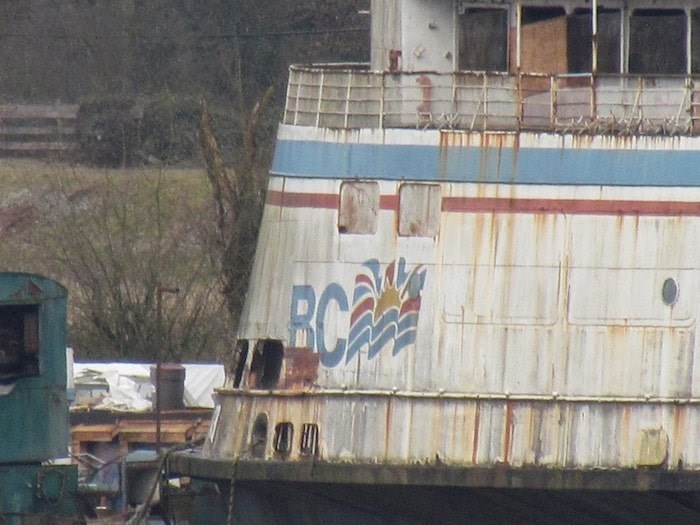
[[37, 482]]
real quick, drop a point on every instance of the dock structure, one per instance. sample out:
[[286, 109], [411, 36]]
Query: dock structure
[[476, 288]]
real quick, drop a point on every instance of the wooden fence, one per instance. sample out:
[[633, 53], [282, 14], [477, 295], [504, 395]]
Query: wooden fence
[[30, 130]]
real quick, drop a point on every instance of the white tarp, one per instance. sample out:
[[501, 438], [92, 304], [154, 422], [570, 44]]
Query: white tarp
[[127, 386]]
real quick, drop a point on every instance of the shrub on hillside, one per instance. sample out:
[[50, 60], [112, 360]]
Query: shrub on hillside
[[170, 128], [109, 131]]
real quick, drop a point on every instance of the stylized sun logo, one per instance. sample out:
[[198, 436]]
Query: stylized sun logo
[[388, 299], [385, 308]]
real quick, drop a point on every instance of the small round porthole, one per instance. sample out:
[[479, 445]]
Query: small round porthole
[[669, 291]]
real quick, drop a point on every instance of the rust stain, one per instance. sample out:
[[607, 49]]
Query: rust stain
[[426, 85], [677, 438], [509, 428], [301, 368], [624, 430]]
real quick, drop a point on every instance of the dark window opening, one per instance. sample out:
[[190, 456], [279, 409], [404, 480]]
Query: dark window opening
[[266, 366], [533, 15], [19, 341], [657, 41], [580, 46], [258, 438], [483, 40], [309, 440], [239, 360], [284, 437], [695, 40]]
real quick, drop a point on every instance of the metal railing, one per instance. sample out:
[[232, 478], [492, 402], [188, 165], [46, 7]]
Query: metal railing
[[347, 96]]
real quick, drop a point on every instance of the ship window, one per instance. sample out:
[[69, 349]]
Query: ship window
[[266, 366], [483, 40], [419, 207], [543, 40], [258, 438], [284, 437], [657, 41], [695, 36], [669, 292], [579, 38], [309, 440], [19, 341], [359, 207]]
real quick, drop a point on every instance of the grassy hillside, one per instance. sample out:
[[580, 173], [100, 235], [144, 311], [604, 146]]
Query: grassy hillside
[[112, 236]]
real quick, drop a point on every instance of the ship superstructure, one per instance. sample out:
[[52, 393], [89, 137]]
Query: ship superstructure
[[478, 264]]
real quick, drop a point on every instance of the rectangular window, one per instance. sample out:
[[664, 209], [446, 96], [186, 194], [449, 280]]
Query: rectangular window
[[284, 437], [580, 37], [657, 41], [695, 40], [19, 341], [309, 440], [359, 207], [483, 39], [543, 40], [419, 210]]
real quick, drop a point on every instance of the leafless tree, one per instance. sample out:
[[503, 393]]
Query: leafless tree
[[116, 243]]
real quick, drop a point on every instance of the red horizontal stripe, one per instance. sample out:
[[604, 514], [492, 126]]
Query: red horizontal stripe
[[389, 202], [573, 206], [504, 205], [303, 200]]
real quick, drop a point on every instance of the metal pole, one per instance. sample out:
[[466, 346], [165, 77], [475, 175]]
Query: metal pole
[[160, 290]]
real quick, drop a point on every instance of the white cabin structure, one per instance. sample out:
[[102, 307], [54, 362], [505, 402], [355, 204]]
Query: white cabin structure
[[479, 261]]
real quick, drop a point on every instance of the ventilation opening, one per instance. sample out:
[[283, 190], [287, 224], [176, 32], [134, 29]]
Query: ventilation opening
[[284, 437], [239, 360], [267, 363], [19, 341], [309, 440], [258, 438]]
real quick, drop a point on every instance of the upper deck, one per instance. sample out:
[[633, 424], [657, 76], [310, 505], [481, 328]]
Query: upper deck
[[564, 66], [353, 97]]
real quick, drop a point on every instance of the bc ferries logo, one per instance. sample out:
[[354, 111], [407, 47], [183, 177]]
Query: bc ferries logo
[[384, 315]]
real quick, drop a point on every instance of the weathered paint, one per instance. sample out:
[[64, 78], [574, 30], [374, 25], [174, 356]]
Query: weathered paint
[[533, 159], [510, 307], [34, 409], [541, 328]]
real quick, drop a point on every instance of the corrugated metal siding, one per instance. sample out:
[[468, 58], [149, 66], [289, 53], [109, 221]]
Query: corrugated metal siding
[[469, 432]]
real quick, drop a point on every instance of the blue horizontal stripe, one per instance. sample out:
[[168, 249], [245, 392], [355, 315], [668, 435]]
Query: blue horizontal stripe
[[569, 166]]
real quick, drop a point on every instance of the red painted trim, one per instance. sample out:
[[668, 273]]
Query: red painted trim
[[572, 206], [303, 200], [389, 202], [504, 205]]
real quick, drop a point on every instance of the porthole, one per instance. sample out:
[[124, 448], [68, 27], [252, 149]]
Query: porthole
[[258, 438], [669, 291]]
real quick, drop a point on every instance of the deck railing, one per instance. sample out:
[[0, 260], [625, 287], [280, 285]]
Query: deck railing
[[351, 96]]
